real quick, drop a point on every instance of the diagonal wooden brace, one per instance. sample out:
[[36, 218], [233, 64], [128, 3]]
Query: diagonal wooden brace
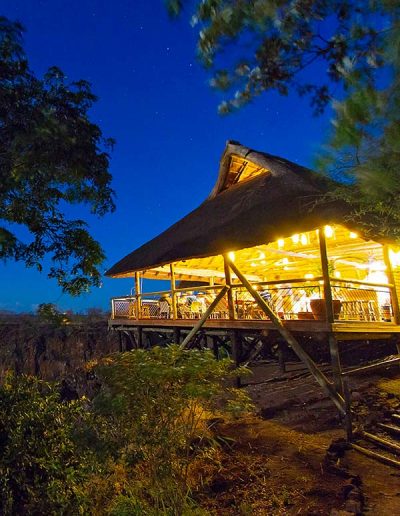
[[303, 355], [204, 317]]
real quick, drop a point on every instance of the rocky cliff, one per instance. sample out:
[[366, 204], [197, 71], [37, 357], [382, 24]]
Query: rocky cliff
[[54, 354]]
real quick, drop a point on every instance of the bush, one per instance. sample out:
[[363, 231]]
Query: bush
[[41, 465], [154, 406]]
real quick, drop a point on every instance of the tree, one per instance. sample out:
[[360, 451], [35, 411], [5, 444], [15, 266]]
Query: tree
[[344, 53], [51, 156]]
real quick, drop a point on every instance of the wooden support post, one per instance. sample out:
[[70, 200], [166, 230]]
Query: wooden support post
[[228, 281], [204, 317], [325, 275], [347, 418], [233, 336], [297, 348], [138, 294], [393, 290], [140, 337], [173, 291], [281, 358], [333, 345], [177, 335], [121, 349], [335, 362], [215, 346]]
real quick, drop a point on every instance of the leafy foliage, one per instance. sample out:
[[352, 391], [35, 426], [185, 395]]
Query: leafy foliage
[[41, 465], [341, 51], [51, 155]]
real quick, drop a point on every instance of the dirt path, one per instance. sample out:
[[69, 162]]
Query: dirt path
[[275, 464]]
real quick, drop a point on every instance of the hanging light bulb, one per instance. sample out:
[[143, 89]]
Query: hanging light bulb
[[304, 239], [328, 230], [281, 242], [231, 255], [309, 275], [295, 238], [353, 235]]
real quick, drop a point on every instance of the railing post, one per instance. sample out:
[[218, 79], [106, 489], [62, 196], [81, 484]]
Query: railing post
[[325, 276], [138, 296], [112, 309], [228, 281], [173, 292], [393, 290]]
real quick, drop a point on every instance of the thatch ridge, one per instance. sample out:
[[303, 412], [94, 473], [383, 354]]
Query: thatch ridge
[[246, 214]]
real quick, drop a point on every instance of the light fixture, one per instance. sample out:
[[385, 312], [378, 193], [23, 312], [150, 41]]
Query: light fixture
[[353, 235], [231, 255], [263, 262], [328, 230], [285, 261], [281, 242], [261, 256], [295, 238], [253, 264], [309, 275], [337, 274], [304, 239], [394, 258]]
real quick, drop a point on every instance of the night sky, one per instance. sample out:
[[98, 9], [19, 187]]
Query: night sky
[[154, 99]]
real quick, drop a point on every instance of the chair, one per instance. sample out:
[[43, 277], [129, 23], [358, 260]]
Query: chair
[[165, 309]]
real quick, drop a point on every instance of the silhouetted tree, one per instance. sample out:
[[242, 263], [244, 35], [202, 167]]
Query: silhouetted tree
[[51, 155]]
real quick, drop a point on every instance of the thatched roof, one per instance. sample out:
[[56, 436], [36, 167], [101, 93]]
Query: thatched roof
[[279, 200]]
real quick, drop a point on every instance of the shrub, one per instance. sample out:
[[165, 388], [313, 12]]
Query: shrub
[[154, 406], [41, 465]]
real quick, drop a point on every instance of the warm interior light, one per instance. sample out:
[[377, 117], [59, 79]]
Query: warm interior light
[[376, 265], [353, 235], [253, 264], [295, 238], [304, 239], [261, 256], [309, 275], [231, 255], [337, 274], [328, 231], [394, 258], [281, 242], [263, 262], [285, 261]]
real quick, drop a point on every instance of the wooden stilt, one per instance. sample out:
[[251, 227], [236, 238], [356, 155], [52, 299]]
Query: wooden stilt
[[335, 361], [236, 352], [140, 337], [177, 335]]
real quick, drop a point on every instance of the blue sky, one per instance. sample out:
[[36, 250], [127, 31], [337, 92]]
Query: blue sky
[[154, 99]]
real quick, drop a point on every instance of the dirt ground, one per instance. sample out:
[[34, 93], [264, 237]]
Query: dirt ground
[[275, 462]]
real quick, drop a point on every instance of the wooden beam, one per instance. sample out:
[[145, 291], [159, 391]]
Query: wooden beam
[[297, 348], [173, 292], [325, 275], [138, 296], [393, 290], [204, 317]]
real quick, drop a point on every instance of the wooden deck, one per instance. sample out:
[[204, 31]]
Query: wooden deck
[[343, 330]]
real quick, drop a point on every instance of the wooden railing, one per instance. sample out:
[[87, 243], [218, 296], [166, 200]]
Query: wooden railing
[[295, 299]]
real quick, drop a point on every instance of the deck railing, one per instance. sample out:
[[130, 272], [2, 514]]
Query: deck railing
[[295, 299]]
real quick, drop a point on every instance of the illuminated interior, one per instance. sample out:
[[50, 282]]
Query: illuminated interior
[[296, 256]]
